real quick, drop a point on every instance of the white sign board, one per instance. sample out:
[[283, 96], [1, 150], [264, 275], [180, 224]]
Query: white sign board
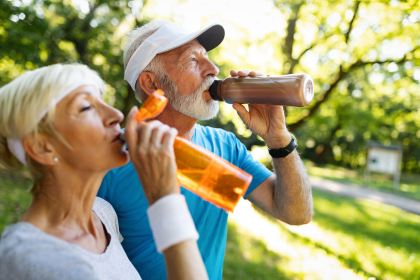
[[383, 160]]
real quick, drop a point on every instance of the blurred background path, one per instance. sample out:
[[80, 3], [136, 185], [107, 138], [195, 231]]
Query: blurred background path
[[356, 191]]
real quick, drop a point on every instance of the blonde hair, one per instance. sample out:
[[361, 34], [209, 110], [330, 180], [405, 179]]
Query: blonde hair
[[135, 38], [22, 104]]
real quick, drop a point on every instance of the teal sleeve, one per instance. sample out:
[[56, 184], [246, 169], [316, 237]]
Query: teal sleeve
[[247, 163]]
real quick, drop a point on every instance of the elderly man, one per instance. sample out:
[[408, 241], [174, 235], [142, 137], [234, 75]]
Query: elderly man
[[164, 55]]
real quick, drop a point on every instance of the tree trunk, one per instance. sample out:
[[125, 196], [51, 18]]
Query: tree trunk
[[318, 158]]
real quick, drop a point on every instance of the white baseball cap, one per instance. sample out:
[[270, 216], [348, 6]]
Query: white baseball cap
[[168, 37]]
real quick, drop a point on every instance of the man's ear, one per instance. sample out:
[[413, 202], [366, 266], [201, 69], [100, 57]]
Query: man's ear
[[40, 149], [148, 82]]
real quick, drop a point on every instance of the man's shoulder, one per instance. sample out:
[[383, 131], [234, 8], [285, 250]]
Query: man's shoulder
[[122, 177], [215, 133], [121, 187]]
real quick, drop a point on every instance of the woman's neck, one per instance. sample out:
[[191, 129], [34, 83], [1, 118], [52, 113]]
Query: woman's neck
[[63, 205]]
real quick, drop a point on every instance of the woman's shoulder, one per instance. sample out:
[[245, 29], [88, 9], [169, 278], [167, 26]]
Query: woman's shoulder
[[107, 215], [103, 207], [22, 237], [26, 252]]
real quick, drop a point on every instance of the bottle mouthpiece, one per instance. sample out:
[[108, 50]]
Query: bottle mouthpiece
[[213, 90], [122, 136]]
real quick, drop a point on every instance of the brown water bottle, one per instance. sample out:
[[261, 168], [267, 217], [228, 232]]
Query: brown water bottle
[[289, 90]]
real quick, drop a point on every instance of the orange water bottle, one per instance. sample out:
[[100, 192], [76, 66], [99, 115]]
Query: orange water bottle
[[199, 170]]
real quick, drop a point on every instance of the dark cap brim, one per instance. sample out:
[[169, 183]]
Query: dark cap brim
[[212, 37]]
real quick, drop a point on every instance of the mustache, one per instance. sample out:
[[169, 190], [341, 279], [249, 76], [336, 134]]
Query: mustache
[[207, 83]]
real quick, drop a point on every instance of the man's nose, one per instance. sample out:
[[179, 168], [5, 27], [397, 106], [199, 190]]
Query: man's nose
[[210, 69]]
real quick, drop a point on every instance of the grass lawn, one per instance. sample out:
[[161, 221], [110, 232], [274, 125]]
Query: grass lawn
[[347, 239], [409, 184]]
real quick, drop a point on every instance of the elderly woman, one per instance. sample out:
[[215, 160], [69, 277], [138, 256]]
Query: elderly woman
[[54, 121]]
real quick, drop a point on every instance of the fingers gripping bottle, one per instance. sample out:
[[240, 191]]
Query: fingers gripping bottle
[[200, 171]]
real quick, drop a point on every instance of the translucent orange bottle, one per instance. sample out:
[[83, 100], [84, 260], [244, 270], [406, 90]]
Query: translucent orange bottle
[[200, 171]]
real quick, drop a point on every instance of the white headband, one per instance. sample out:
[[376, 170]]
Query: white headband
[[168, 37], [16, 146]]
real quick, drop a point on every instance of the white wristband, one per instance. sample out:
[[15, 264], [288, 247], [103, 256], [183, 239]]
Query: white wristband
[[171, 222]]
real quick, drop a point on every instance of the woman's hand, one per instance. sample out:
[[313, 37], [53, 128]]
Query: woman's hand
[[151, 148]]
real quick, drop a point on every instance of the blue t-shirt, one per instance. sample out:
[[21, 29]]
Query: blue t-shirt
[[122, 188]]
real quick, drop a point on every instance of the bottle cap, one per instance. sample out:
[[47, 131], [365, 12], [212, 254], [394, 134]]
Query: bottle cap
[[308, 89], [213, 90]]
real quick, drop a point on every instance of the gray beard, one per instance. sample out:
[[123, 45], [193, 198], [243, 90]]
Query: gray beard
[[193, 104]]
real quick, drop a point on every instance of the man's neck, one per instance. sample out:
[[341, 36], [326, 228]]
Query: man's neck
[[184, 124]]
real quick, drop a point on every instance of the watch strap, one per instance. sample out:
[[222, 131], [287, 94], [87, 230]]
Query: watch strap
[[284, 152]]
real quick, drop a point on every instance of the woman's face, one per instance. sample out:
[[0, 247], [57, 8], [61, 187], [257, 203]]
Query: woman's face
[[91, 127]]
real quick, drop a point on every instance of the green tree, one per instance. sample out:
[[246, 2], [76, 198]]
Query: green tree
[[352, 51], [35, 34], [364, 57]]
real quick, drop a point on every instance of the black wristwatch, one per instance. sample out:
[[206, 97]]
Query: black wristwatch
[[284, 152]]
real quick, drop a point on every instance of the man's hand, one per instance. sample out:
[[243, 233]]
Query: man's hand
[[287, 194], [267, 121]]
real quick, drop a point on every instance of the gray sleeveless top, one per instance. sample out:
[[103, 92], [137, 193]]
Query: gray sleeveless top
[[26, 252]]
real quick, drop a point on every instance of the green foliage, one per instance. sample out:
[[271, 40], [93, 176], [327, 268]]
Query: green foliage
[[364, 58], [366, 55], [47, 32], [14, 197]]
